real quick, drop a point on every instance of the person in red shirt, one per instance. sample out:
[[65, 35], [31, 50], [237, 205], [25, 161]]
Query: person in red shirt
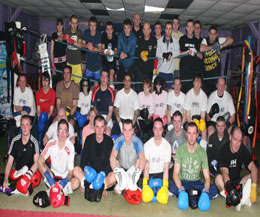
[[45, 101]]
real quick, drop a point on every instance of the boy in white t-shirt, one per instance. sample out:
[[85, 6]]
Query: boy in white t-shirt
[[126, 103], [195, 108]]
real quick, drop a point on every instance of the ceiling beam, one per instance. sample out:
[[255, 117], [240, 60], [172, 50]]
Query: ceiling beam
[[254, 30]]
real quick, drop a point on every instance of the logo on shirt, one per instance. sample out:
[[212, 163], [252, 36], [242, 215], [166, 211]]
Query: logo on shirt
[[67, 150], [22, 101], [233, 163], [195, 104], [222, 109], [209, 145]]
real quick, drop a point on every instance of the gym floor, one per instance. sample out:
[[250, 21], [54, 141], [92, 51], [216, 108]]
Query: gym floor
[[115, 205]]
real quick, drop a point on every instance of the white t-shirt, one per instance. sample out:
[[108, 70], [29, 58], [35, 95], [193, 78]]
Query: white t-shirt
[[127, 103], [84, 102], [25, 98], [61, 160], [160, 103], [225, 104], [146, 102], [176, 102], [52, 131], [157, 155], [195, 104], [221, 40]]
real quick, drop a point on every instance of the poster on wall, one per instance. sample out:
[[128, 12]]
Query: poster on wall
[[5, 108]]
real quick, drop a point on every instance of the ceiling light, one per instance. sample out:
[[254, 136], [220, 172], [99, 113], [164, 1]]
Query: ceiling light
[[119, 9], [153, 9]]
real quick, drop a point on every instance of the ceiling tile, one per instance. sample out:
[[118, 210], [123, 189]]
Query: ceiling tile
[[134, 2], [156, 3], [245, 9], [55, 3], [232, 16], [173, 11], [253, 2], [35, 2], [224, 6], [94, 6], [117, 13], [114, 6], [112, 1], [200, 5], [82, 11], [134, 8], [250, 17], [193, 12], [220, 21], [212, 14]]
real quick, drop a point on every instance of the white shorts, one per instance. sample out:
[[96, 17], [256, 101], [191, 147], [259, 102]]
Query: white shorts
[[110, 122]]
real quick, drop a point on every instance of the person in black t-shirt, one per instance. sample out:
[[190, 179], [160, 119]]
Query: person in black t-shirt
[[24, 150], [216, 142], [137, 28], [96, 153], [58, 53], [233, 155], [144, 66], [189, 45], [109, 46]]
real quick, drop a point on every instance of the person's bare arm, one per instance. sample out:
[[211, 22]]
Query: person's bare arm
[[207, 179], [253, 172], [113, 159], [166, 170], [176, 171], [225, 174]]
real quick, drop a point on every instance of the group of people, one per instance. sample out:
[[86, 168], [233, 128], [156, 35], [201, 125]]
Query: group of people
[[190, 132]]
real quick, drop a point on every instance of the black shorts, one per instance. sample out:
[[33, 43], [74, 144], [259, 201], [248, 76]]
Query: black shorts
[[109, 65]]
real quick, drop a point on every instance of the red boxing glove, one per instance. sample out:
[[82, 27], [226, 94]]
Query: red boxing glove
[[57, 198], [16, 174], [23, 185], [67, 38]]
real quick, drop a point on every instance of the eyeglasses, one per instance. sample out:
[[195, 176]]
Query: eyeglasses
[[62, 130]]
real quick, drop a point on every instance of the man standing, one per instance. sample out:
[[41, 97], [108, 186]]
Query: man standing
[[176, 34], [190, 159], [92, 41], [197, 31], [73, 35], [233, 156], [102, 99], [109, 47], [145, 48], [167, 49], [137, 30], [127, 154], [126, 103], [189, 45], [67, 94], [211, 46], [61, 152], [126, 50]]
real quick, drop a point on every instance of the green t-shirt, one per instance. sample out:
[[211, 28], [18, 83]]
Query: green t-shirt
[[191, 163]]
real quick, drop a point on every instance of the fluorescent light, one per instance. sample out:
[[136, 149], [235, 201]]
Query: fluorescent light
[[153, 9], [119, 9]]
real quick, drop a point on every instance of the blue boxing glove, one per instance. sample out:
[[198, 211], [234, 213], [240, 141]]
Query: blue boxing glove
[[204, 201], [99, 180], [49, 178], [183, 200], [90, 174], [27, 109], [42, 120], [81, 119]]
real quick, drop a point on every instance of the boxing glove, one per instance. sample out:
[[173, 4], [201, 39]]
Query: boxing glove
[[162, 195], [204, 201], [67, 38], [16, 174], [90, 174], [57, 199], [147, 192], [42, 120], [27, 109], [49, 178], [81, 119], [23, 184], [202, 125], [99, 180], [144, 55], [253, 193], [183, 200], [197, 122], [36, 179]]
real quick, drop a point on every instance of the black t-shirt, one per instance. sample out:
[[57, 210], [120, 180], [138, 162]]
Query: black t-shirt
[[112, 43], [188, 63], [146, 45], [215, 145], [234, 161], [23, 153], [139, 34], [59, 49], [212, 61], [96, 154]]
